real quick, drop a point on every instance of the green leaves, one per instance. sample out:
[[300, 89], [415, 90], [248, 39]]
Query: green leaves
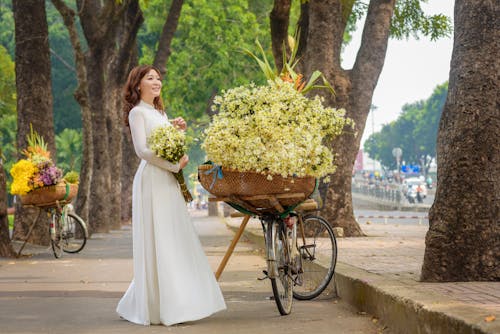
[[269, 71], [410, 20], [287, 72], [69, 149], [415, 131]]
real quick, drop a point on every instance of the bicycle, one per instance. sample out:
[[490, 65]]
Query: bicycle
[[301, 250], [301, 261], [68, 232]]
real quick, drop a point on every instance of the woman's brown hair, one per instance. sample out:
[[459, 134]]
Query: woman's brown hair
[[131, 93]]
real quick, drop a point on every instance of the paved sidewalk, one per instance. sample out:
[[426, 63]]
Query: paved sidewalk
[[79, 292], [380, 274]]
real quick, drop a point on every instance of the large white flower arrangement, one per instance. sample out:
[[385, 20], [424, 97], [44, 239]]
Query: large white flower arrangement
[[273, 128]]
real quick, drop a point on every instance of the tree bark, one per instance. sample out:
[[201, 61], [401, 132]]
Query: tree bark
[[169, 28], [6, 249], [124, 58], [354, 88], [279, 21], [106, 60], [463, 241], [34, 97], [81, 96]]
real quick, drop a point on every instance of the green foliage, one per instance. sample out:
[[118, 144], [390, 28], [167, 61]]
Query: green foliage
[[69, 149], [7, 27], [206, 56], [8, 151], [7, 84], [8, 116], [415, 131], [408, 20], [67, 113], [66, 110], [71, 177]]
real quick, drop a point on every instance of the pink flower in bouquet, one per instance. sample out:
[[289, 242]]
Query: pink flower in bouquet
[[50, 175]]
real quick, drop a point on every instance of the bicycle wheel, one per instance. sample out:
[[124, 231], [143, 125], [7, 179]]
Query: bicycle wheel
[[55, 235], [282, 284], [73, 236], [318, 256]]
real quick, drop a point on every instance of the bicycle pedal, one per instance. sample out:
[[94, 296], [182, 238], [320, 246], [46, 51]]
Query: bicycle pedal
[[266, 276]]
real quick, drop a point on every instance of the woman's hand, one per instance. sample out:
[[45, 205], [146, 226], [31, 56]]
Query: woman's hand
[[179, 123], [184, 161]]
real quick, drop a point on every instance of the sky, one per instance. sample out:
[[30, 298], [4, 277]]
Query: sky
[[412, 69]]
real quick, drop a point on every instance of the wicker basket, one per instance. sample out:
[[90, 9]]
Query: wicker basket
[[47, 196], [234, 182]]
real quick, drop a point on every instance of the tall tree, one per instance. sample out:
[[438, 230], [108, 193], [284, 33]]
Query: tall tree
[[162, 54], [6, 249], [110, 31], [34, 95], [81, 96], [322, 25], [463, 241]]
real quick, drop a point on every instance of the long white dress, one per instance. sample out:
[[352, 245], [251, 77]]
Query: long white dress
[[173, 281]]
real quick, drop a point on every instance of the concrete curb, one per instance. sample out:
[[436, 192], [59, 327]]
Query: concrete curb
[[404, 305]]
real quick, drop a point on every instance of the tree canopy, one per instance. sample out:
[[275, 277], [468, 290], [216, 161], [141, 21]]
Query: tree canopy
[[415, 131], [207, 57]]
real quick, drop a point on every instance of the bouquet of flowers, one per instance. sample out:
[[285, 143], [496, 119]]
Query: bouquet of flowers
[[169, 143], [37, 170], [275, 128]]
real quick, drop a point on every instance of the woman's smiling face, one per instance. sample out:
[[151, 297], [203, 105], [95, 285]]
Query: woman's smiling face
[[150, 86]]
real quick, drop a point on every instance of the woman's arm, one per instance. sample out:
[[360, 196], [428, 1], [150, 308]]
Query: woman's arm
[[138, 130]]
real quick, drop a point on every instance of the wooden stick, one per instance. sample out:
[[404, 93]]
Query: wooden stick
[[230, 250], [274, 202], [29, 233]]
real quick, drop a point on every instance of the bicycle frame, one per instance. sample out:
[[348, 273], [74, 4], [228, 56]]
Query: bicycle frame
[[272, 225]]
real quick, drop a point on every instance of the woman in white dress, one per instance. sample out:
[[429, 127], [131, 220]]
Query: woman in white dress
[[173, 281]]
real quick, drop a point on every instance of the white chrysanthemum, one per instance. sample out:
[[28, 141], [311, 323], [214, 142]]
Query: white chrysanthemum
[[168, 143], [273, 128]]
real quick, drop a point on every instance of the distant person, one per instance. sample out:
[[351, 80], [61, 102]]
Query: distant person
[[429, 182], [420, 191]]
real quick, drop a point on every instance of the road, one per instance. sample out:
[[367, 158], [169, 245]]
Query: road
[[79, 293]]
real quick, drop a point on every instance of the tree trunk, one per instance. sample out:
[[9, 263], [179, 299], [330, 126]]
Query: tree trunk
[[325, 24], [110, 38], [463, 241], [100, 183], [34, 97], [81, 96], [124, 160], [279, 21], [115, 126], [110, 29], [6, 249], [169, 28]]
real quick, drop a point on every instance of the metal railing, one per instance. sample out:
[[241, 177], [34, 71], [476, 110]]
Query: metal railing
[[385, 193]]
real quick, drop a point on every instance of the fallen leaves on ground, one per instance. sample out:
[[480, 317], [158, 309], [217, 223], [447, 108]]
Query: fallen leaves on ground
[[490, 318]]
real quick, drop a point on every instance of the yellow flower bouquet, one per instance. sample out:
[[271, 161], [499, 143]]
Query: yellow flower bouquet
[[36, 179]]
